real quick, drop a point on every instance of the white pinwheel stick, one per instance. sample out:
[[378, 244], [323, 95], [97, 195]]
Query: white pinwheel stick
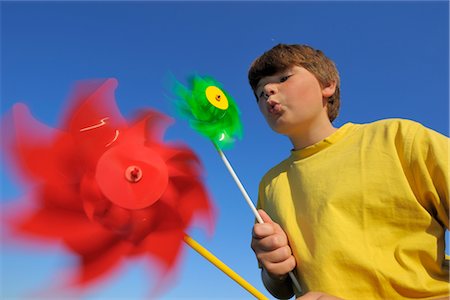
[[240, 186], [250, 203]]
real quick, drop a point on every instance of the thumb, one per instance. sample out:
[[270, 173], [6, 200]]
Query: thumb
[[266, 218]]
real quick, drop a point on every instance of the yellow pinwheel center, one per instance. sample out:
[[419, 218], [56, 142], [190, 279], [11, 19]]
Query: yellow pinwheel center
[[216, 97]]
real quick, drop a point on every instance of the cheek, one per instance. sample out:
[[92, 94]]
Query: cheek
[[262, 107], [312, 94]]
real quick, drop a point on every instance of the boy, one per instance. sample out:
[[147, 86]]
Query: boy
[[357, 212]]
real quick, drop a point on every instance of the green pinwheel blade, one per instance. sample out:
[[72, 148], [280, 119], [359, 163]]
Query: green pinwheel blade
[[209, 109]]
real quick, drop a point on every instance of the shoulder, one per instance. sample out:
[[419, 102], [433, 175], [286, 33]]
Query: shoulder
[[395, 124], [403, 128], [408, 138], [394, 128], [275, 171], [269, 180]]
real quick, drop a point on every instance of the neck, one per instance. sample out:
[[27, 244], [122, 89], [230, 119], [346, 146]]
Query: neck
[[312, 134]]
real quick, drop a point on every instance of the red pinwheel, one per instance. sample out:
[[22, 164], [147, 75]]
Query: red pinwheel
[[105, 187]]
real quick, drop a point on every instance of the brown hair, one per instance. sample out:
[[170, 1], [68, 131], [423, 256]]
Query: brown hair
[[282, 57]]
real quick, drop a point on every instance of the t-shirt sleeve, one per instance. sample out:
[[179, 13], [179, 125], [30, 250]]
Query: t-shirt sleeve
[[260, 203], [429, 161]]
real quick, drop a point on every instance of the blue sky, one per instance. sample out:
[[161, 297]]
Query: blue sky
[[393, 59]]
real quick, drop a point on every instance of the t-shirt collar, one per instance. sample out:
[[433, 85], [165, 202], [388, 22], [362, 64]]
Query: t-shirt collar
[[323, 144]]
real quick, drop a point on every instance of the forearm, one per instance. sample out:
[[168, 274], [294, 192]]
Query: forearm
[[279, 288]]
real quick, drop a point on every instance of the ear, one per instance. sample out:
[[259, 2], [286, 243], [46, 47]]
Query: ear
[[329, 90]]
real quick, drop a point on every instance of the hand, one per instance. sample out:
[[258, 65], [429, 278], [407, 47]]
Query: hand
[[270, 244]]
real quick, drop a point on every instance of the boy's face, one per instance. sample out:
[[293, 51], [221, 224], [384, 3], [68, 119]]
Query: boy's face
[[293, 101]]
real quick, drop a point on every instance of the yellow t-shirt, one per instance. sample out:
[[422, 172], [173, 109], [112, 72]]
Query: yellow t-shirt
[[365, 211]]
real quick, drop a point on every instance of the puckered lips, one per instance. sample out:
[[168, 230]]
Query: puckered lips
[[273, 107]]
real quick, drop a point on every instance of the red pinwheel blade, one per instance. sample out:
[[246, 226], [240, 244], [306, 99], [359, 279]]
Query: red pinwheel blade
[[106, 188], [150, 126], [192, 202], [91, 102], [94, 120], [103, 261], [166, 257], [183, 162], [170, 255], [56, 223], [36, 149]]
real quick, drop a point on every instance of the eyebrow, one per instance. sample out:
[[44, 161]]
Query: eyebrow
[[275, 74]]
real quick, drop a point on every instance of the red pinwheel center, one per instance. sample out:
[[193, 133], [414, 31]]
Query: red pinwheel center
[[132, 176]]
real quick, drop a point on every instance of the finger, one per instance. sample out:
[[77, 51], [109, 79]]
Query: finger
[[274, 241], [281, 268], [271, 242], [262, 230], [276, 256], [266, 218]]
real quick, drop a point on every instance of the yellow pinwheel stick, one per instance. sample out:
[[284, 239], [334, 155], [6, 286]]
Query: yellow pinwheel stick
[[223, 267]]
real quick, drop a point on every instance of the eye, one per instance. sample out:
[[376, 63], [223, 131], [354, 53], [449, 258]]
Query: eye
[[284, 78], [260, 96]]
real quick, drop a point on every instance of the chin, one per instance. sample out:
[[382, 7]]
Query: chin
[[279, 128]]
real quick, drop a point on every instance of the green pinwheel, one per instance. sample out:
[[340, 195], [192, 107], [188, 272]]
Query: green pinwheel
[[213, 113], [210, 110]]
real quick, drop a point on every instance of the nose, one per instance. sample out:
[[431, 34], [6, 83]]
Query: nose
[[269, 90]]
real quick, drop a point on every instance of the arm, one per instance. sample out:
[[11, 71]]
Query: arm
[[429, 166], [270, 244]]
